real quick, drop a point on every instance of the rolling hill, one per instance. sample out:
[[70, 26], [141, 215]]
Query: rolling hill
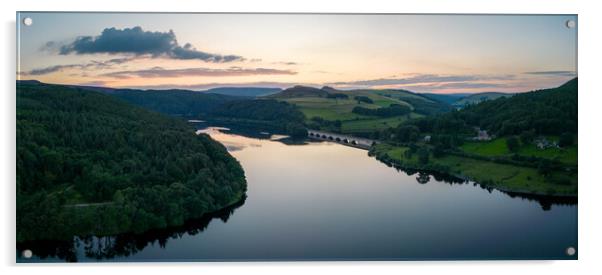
[[244, 91], [446, 98], [524, 143], [478, 98], [548, 111], [332, 109], [260, 112], [301, 91]]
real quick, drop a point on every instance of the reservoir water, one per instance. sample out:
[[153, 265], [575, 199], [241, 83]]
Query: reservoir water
[[318, 200]]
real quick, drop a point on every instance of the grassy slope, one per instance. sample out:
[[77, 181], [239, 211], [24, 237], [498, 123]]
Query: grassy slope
[[340, 109], [498, 147], [501, 176], [371, 124]]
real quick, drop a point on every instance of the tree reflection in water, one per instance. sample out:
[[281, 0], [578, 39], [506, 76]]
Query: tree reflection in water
[[123, 245], [423, 178], [546, 202]]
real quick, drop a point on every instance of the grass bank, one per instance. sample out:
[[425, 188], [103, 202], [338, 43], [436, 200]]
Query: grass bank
[[504, 177]]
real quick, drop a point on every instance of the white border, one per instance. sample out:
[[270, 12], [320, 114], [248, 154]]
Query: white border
[[589, 133]]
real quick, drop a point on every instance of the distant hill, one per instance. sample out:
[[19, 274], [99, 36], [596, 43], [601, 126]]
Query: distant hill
[[244, 91], [329, 89], [478, 98], [301, 91], [422, 104], [261, 112], [545, 112], [460, 100], [332, 109], [548, 111], [446, 98]]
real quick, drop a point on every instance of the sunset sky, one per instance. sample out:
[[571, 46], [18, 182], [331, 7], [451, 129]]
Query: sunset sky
[[422, 53]]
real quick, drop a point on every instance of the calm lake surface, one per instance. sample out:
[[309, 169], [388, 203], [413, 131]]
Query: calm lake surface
[[326, 201]]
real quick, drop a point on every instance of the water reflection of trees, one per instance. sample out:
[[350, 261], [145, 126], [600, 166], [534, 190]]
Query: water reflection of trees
[[255, 132], [546, 202], [123, 245]]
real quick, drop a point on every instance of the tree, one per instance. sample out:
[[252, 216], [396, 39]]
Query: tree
[[512, 143], [438, 151], [296, 130], [423, 155], [566, 139], [527, 137], [408, 154], [544, 167], [407, 133], [364, 99]]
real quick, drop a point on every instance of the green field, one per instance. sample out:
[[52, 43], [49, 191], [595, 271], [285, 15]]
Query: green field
[[501, 176], [328, 109], [371, 124], [341, 109], [497, 147]]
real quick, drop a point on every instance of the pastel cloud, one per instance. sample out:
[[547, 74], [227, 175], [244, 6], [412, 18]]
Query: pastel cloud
[[107, 64], [159, 72], [552, 73], [421, 79]]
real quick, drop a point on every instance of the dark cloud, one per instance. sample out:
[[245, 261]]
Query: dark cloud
[[137, 42], [49, 46], [189, 52], [106, 64], [51, 69], [157, 72], [421, 78], [288, 63], [552, 73], [109, 63]]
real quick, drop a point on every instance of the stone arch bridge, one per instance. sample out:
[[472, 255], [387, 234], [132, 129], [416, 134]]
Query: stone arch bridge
[[362, 143]]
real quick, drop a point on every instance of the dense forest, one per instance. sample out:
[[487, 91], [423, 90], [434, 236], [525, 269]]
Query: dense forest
[[548, 112], [265, 114], [276, 115], [183, 103], [89, 163]]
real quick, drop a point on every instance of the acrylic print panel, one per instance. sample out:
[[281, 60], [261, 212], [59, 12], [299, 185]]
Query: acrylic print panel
[[245, 137]]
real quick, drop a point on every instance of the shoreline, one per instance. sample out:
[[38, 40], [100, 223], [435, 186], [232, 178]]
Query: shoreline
[[237, 201], [395, 164]]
